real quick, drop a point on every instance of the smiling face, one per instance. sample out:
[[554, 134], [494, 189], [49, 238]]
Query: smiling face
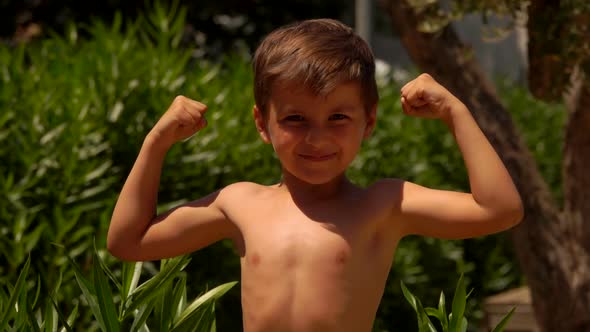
[[315, 137]]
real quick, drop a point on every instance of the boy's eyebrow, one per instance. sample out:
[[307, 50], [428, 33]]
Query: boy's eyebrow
[[287, 109], [343, 109]]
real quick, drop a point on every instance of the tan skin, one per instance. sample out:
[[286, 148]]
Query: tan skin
[[315, 249]]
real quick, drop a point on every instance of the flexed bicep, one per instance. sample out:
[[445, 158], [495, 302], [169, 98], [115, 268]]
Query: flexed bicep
[[446, 214], [184, 229]]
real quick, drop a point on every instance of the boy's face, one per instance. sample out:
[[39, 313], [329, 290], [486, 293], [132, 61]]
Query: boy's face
[[315, 137]]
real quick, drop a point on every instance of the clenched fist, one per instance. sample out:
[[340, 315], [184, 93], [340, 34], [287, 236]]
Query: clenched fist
[[424, 97], [183, 119]]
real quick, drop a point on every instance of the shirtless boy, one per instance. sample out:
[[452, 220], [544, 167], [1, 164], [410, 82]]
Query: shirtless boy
[[315, 249]]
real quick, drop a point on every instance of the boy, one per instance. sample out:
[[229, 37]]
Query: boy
[[315, 249]]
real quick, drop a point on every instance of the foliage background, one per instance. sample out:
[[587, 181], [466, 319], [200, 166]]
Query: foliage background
[[75, 107]]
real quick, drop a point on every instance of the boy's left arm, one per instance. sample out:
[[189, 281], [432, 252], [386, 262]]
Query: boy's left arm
[[494, 203]]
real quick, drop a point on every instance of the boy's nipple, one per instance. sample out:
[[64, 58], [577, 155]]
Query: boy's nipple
[[254, 259]]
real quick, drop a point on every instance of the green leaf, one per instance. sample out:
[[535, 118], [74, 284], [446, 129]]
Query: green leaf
[[70, 320], [458, 307], [130, 274], [152, 288], [88, 292], [197, 305], [214, 325], [200, 319], [464, 324], [106, 270], [424, 323], [104, 296], [179, 297], [50, 321], [408, 295], [442, 308], [504, 321], [434, 313], [60, 315], [18, 288], [33, 321], [141, 315], [37, 291], [163, 318], [22, 314]]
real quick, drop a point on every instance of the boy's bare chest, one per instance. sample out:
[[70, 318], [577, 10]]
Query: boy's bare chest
[[288, 236]]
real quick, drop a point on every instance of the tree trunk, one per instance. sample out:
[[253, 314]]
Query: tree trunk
[[551, 249]]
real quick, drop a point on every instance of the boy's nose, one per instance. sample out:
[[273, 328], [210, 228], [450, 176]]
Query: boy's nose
[[316, 136]]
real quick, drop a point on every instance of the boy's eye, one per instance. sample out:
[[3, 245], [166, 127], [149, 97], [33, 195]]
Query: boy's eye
[[338, 117], [294, 118]]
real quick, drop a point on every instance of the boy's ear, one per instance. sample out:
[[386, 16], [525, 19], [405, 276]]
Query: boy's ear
[[260, 124], [371, 122]]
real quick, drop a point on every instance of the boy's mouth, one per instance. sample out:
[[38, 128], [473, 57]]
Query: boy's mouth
[[318, 157]]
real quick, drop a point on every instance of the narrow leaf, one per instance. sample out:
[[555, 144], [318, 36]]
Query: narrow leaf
[[463, 325], [70, 320], [18, 288], [442, 308], [50, 317], [210, 296], [34, 325], [130, 274], [424, 323], [458, 307], [59, 314], [200, 319], [37, 291], [104, 296], [434, 313], [141, 315], [88, 292], [408, 295], [179, 297], [152, 287], [500, 327]]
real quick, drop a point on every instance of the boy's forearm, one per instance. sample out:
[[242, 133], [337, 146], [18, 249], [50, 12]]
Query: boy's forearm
[[136, 205], [491, 184]]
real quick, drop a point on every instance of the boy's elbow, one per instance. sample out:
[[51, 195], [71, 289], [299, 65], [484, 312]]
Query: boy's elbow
[[121, 252], [514, 215], [119, 248], [113, 246]]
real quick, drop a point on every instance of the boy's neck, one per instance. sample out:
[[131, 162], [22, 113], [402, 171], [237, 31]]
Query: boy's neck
[[304, 191]]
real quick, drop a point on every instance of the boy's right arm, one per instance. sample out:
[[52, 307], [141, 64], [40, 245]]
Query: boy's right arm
[[135, 232]]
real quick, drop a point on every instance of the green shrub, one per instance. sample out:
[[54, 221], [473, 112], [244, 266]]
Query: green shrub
[[160, 301]]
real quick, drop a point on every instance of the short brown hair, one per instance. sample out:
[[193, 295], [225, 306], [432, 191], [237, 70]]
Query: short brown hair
[[319, 54]]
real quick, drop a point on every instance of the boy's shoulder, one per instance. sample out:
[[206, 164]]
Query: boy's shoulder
[[243, 187], [243, 191], [389, 187]]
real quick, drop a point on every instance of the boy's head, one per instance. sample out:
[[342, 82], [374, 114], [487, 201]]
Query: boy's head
[[316, 54]]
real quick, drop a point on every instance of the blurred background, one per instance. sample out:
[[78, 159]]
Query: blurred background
[[83, 82]]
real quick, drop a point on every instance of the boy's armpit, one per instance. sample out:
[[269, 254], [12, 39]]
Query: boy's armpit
[[443, 214]]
